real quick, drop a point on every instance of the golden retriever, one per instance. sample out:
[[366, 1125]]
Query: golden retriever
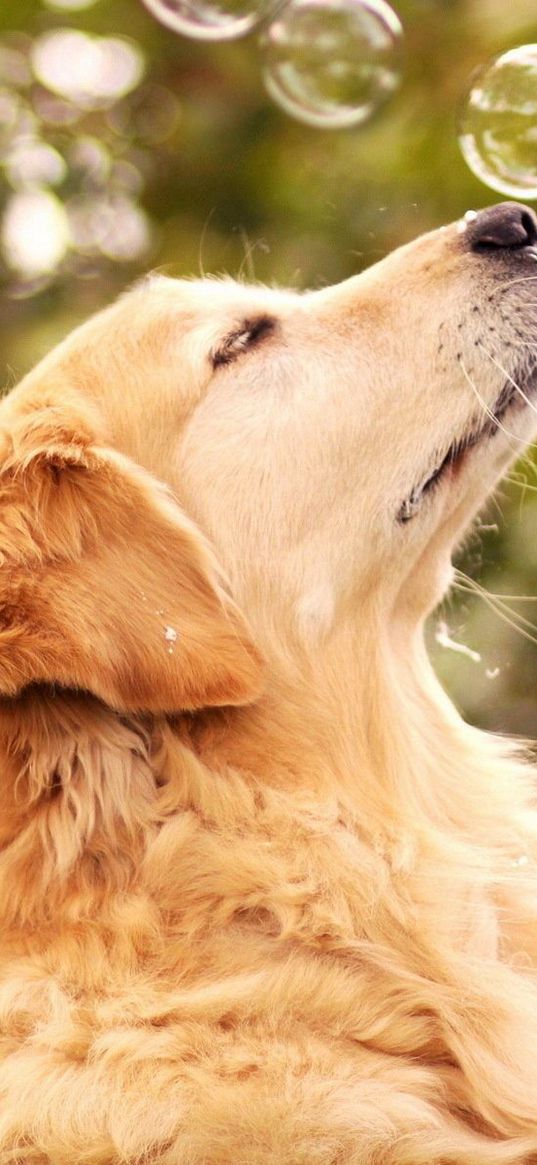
[[265, 898]]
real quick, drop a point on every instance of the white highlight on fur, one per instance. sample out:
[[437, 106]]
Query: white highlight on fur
[[315, 611]]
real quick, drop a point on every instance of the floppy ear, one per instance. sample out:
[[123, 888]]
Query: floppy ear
[[105, 585]]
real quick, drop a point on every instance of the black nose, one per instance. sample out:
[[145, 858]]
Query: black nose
[[509, 225]]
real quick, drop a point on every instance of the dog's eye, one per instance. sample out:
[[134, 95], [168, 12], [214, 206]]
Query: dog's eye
[[242, 339]]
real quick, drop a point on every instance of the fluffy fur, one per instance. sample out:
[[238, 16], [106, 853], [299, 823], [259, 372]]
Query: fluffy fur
[[264, 897]]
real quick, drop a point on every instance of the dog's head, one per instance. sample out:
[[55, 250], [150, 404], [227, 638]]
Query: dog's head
[[329, 448]]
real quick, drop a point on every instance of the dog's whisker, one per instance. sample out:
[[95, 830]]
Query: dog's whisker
[[497, 603], [500, 614], [486, 408], [526, 465], [202, 241], [524, 485], [510, 379], [468, 581], [247, 263], [521, 481], [513, 282]]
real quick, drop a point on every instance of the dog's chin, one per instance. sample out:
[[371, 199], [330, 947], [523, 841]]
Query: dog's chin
[[490, 442], [504, 436], [463, 480]]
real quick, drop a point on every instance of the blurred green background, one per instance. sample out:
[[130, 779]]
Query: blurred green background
[[173, 156]]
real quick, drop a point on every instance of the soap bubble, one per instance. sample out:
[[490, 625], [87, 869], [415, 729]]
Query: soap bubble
[[209, 19], [332, 63], [498, 126]]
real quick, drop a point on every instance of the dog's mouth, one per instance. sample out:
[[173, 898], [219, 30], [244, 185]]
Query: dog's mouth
[[515, 394]]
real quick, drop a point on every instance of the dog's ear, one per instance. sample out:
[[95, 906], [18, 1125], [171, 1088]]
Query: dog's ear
[[105, 585]]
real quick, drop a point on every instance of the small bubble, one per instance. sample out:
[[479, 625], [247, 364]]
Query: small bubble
[[206, 20], [492, 672], [170, 635], [498, 124], [332, 63], [523, 860]]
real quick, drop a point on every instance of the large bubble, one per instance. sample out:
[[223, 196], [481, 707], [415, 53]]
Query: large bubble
[[498, 125], [209, 19], [332, 63]]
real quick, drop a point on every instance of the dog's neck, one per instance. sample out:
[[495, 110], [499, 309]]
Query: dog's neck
[[365, 722], [359, 726], [347, 720]]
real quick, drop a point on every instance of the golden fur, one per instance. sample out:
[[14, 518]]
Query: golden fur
[[264, 897]]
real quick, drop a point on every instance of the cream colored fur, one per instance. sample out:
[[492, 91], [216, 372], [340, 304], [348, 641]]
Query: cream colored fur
[[261, 894]]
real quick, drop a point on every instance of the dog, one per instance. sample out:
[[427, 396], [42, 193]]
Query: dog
[[265, 898]]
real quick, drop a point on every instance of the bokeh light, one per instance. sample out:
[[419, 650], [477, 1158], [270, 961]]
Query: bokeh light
[[498, 125], [209, 20], [35, 233], [90, 71], [72, 171], [332, 63]]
